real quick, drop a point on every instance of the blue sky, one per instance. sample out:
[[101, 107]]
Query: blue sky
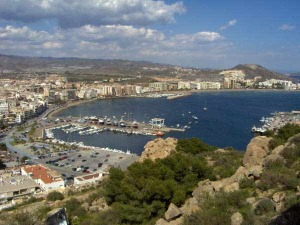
[[200, 33]]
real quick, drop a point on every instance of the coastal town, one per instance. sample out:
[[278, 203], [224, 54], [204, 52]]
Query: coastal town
[[37, 163]]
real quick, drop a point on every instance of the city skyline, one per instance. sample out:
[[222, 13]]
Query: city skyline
[[188, 33]]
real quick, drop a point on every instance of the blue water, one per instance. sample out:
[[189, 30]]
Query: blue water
[[227, 122]]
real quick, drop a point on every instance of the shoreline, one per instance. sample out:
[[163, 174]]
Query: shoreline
[[53, 113]]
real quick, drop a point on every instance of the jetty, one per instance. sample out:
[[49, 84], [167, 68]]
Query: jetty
[[174, 96]]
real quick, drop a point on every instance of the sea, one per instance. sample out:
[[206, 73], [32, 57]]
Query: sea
[[227, 122]]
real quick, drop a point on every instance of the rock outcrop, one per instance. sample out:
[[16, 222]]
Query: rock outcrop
[[172, 213], [256, 151], [158, 149]]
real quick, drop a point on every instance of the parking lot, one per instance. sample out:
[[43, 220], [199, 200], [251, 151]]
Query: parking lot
[[77, 163]]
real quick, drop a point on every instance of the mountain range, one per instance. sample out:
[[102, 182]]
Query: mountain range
[[16, 64]]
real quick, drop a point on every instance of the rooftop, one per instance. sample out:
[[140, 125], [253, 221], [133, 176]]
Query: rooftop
[[43, 173], [16, 183]]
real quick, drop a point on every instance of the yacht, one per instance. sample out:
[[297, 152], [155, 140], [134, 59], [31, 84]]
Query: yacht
[[101, 121], [108, 121], [122, 123]]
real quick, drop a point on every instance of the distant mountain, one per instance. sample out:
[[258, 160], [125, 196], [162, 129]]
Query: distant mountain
[[111, 67], [251, 71], [10, 62]]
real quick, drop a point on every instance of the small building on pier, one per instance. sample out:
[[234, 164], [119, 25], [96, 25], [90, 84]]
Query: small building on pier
[[157, 123]]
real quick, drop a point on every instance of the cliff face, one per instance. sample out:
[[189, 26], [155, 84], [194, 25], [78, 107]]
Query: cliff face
[[158, 149], [255, 165]]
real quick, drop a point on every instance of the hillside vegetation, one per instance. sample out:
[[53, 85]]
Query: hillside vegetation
[[200, 183]]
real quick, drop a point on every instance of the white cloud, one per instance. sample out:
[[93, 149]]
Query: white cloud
[[287, 27], [114, 41], [77, 13], [229, 24], [52, 45], [23, 34]]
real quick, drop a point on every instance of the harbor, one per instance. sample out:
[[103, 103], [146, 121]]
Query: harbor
[[276, 121], [89, 126]]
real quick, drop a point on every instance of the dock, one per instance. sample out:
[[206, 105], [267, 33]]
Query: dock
[[91, 125]]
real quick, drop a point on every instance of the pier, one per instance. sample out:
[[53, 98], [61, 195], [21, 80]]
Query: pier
[[92, 125]]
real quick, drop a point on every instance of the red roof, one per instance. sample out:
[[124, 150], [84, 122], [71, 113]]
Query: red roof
[[42, 173]]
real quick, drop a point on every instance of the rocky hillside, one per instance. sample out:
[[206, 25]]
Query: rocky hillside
[[264, 190], [251, 71]]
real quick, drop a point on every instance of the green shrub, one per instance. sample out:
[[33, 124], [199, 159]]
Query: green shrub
[[277, 175], [291, 200], [218, 209], [226, 164], [193, 146], [54, 196], [264, 206], [108, 217], [246, 183], [146, 189], [71, 192], [74, 209], [283, 134], [291, 155]]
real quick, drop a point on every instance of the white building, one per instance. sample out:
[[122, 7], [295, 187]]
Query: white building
[[184, 85], [88, 179], [46, 178]]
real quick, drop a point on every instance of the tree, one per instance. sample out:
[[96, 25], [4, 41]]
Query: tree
[[3, 147], [2, 165], [23, 159], [54, 196]]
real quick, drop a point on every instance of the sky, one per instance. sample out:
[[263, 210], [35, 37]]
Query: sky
[[192, 33]]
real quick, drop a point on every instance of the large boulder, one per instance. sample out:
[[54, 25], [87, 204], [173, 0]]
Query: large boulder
[[231, 187], [199, 191], [279, 196], [173, 212], [257, 150], [190, 206], [158, 149], [278, 150], [273, 158]]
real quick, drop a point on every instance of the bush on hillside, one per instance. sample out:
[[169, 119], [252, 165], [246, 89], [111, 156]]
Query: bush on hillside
[[226, 164], [283, 134], [276, 175], [246, 183], [146, 189], [264, 206], [193, 146], [54, 196], [219, 209]]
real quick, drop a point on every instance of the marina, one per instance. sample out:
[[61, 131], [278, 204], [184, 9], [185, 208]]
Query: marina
[[89, 126], [276, 121]]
